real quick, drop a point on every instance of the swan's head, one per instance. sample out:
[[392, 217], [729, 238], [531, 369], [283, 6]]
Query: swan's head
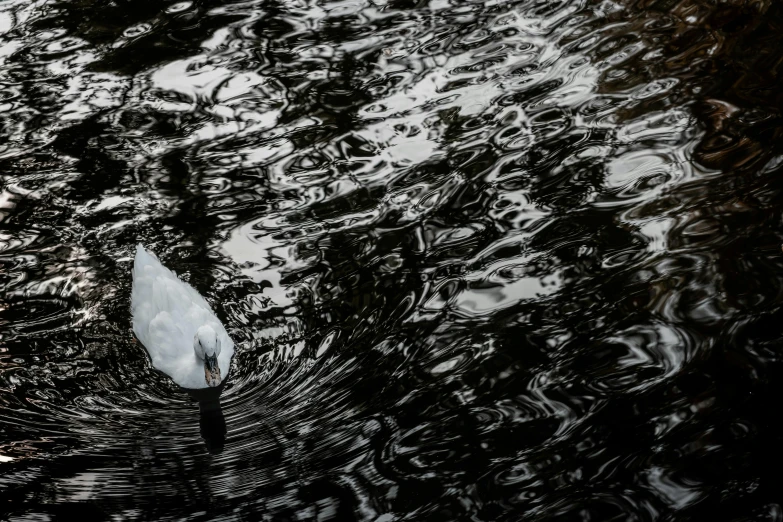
[[207, 347]]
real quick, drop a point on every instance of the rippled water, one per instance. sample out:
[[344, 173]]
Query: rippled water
[[481, 260]]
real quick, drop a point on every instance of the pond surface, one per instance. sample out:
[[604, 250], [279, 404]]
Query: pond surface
[[481, 260]]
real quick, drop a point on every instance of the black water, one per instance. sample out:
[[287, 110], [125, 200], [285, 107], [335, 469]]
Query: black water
[[487, 261]]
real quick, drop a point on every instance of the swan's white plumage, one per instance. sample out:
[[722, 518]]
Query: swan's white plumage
[[166, 314]]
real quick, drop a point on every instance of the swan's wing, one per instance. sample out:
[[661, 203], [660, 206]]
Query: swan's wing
[[157, 289], [164, 339], [145, 263]]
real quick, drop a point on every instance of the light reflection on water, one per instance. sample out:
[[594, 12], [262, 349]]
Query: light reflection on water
[[487, 260]]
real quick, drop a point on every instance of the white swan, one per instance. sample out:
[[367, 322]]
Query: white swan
[[176, 325]]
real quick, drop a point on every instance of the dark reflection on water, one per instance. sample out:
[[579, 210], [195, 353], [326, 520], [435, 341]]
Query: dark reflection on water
[[211, 419], [481, 260]]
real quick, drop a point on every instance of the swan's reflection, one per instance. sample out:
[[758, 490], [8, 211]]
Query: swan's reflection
[[211, 419]]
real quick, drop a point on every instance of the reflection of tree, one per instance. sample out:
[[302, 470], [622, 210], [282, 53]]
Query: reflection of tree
[[575, 337], [136, 36]]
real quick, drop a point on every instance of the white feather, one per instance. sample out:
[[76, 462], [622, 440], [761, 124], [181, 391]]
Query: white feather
[[166, 314]]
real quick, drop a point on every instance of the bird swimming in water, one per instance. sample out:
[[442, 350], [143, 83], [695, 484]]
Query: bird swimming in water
[[177, 327]]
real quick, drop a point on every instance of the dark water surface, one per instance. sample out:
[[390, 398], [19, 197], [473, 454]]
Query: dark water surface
[[482, 260]]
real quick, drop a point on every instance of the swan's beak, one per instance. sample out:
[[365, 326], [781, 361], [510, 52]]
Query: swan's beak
[[211, 370]]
